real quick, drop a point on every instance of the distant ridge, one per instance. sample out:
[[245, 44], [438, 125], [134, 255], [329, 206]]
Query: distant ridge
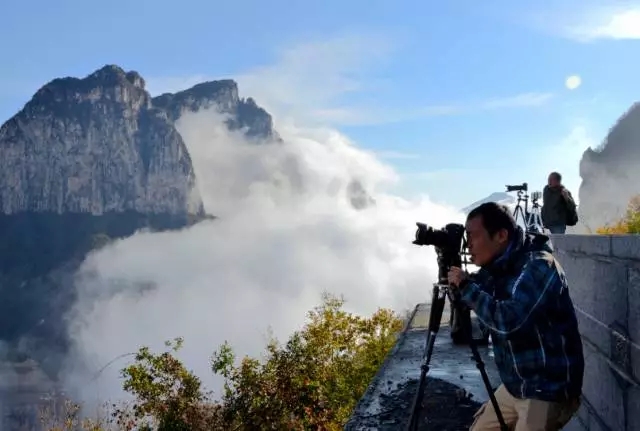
[[498, 197]]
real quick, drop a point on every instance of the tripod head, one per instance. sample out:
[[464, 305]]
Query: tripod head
[[521, 190], [535, 197]]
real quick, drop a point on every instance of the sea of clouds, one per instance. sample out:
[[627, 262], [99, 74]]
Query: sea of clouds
[[286, 232]]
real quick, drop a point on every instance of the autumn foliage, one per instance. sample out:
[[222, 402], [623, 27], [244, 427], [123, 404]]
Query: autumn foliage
[[311, 382], [629, 224]]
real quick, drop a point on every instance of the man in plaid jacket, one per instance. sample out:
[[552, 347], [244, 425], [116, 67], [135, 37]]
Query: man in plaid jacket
[[521, 295]]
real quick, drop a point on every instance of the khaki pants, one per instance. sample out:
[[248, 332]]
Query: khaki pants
[[524, 415]]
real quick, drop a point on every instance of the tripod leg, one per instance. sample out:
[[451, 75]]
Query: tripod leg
[[435, 316], [487, 384], [483, 372]]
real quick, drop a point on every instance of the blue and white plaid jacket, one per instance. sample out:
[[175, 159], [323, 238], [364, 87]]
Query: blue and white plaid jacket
[[523, 298]]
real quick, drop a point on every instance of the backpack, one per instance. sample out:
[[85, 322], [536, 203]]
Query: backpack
[[572, 216]]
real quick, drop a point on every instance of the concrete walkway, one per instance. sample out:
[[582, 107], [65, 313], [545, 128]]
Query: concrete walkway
[[453, 379]]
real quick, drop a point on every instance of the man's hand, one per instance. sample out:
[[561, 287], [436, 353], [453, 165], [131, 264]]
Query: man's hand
[[565, 193], [456, 276]]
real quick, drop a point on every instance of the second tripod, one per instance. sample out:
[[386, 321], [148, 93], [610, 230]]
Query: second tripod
[[440, 293]]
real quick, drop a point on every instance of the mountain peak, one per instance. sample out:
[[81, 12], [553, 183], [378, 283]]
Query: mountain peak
[[95, 145], [498, 197], [222, 95], [110, 82]]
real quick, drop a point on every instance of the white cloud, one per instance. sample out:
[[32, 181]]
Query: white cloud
[[519, 100], [572, 82], [314, 76], [613, 22], [286, 233]]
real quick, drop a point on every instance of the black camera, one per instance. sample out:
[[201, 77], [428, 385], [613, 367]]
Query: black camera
[[518, 187], [448, 242], [449, 237]]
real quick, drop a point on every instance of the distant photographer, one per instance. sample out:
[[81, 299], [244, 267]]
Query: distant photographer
[[559, 208], [521, 295]]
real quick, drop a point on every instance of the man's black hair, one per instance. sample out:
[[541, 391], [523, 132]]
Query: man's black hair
[[494, 217], [557, 176]]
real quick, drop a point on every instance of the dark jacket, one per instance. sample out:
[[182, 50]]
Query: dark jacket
[[555, 206], [523, 299]]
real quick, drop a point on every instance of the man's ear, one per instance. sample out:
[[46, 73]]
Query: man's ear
[[502, 236]]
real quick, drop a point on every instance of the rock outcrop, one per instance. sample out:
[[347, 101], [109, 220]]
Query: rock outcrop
[[243, 114], [611, 173], [84, 161], [87, 160], [95, 145]]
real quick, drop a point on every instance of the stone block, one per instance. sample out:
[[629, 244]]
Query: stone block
[[633, 409], [574, 425], [599, 292], [633, 291], [625, 246], [580, 422], [603, 392], [597, 245]]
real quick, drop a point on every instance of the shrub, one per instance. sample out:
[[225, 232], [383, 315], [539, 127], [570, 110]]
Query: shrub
[[629, 224], [312, 382]]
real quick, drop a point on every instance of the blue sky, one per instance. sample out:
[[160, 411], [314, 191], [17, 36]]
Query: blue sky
[[461, 97]]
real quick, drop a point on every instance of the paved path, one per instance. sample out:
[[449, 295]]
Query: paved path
[[386, 404]]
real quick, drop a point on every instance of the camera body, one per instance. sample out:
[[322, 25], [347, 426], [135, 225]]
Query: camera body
[[448, 242], [518, 187]]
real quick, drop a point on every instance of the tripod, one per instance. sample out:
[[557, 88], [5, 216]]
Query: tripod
[[522, 213], [440, 292], [534, 219]]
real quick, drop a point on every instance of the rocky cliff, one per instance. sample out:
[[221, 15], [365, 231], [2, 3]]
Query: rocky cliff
[[86, 160], [243, 114], [95, 145], [611, 173]]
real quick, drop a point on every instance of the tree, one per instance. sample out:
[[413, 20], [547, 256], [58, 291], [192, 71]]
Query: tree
[[316, 378], [168, 396], [313, 381], [629, 224]]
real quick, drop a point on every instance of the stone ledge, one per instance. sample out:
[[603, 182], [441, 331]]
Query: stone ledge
[[387, 402], [599, 245]]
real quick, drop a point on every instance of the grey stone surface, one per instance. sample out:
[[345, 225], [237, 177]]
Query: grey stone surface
[[604, 278], [633, 405], [401, 370], [625, 247], [574, 425], [634, 320], [597, 245], [602, 390]]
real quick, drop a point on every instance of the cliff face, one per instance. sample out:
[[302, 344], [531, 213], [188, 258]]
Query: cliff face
[[244, 114], [611, 173], [86, 160], [95, 145]]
